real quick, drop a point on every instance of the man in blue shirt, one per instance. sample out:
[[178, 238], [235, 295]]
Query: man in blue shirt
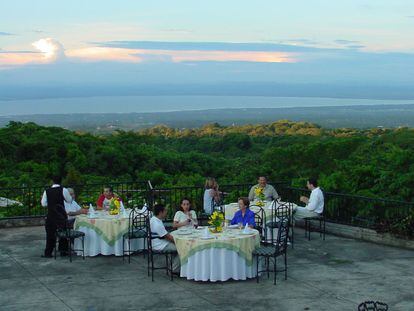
[[244, 215]]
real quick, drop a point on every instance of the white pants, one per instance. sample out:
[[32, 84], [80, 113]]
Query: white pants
[[303, 212], [176, 259]]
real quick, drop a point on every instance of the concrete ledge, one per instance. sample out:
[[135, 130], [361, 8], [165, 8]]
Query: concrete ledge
[[365, 234], [22, 222]]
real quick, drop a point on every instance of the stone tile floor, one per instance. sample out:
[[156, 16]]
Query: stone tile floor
[[335, 274]]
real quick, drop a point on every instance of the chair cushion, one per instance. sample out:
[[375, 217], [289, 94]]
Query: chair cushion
[[73, 234], [264, 251], [135, 234]]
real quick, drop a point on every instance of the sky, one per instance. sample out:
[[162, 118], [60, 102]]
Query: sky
[[52, 48]]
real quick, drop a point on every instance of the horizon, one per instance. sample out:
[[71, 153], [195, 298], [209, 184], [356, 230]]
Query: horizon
[[215, 48]]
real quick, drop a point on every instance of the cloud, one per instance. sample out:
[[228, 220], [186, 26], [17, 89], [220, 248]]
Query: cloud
[[2, 33], [52, 49], [346, 42]]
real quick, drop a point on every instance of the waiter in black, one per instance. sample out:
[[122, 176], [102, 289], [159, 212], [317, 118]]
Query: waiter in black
[[53, 198]]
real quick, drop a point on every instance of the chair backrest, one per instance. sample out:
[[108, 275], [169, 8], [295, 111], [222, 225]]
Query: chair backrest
[[217, 206], [137, 221], [372, 306], [258, 217], [282, 235]]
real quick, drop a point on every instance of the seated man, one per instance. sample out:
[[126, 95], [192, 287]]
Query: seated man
[[244, 215], [162, 240], [73, 209], [104, 199], [314, 204], [269, 191]]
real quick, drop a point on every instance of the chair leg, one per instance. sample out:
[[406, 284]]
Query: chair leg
[[123, 249], [320, 228], [324, 228], [292, 237], [129, 250], [83, 247], [268, 266], [309, 230], [285, 265], [152, 267], [275, 270], [70, 249]]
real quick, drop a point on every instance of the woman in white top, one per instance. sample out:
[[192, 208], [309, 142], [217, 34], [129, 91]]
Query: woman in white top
[[185, 217], [210, 193]]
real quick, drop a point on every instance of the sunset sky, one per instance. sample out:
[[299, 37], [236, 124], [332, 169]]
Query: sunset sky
[[179, 41]]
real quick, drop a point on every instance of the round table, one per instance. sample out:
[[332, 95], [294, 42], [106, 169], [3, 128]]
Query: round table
[[225, 256], [103, 234]]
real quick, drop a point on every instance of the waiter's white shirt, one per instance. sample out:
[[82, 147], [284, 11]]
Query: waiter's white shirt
[[66, 196]]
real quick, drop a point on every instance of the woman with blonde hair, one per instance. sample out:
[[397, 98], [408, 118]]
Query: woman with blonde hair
[[211, 195]]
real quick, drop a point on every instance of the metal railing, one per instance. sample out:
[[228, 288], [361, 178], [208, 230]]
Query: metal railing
[[380, 214], [25, 201]]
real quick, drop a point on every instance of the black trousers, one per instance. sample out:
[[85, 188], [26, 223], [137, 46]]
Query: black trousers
[[51, 227]]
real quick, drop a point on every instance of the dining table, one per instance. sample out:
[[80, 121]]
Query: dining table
[[104, 233], [216, 256]]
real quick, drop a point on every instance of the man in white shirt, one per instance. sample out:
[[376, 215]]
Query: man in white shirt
[[162, 240], [314, 204], [73, 209]]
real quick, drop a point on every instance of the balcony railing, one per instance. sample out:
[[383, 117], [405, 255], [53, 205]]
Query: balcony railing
[[377, 213]]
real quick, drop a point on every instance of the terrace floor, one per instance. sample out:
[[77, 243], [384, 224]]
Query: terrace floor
[[335, 274]]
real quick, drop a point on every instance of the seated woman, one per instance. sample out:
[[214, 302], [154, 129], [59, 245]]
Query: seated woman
[[185, 217], [244, 215], [104, 199]]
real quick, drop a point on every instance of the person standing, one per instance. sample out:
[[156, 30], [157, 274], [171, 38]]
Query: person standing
[[211, 195], [54, 198]]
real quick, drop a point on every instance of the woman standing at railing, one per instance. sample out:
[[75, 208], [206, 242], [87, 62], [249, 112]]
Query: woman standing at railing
[[186, 217], [211, 195]]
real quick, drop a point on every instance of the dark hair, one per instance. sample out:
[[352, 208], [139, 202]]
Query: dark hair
[[245, 200], [263, 177], [110, 188], [158, 209], [184, 199], [57, 179], [313, 181]]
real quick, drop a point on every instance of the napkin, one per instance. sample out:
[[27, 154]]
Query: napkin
[[206, 233], [246, 229], [91, 212], [123, 211]]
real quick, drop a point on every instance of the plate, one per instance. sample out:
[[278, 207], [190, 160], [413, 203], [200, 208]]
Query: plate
[[182, 232], [233, 226], [246, 233], [207, 237]]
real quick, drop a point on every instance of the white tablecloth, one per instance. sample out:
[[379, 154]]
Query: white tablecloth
[[227, 256], [217, 264], [95, 245], [103, 234]]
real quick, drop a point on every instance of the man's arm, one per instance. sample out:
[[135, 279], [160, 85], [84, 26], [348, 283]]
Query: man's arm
[[67, 196], [44, 199], [275, 195], [100, 200], [169, 237], [251, 194], [312, 202]]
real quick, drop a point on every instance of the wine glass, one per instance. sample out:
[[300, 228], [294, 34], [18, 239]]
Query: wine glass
[[240, 224]]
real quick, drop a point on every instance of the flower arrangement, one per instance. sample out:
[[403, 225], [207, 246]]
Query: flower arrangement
[[259, 193], [216, 221], [114, 206]]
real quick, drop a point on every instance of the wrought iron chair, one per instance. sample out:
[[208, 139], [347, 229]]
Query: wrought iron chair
[[137, 229], [69, 234], [308, 226], [280, 210], [259, 220], [372, 306], [169, 256], [320, 218], [273, 250], [217, 206]]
